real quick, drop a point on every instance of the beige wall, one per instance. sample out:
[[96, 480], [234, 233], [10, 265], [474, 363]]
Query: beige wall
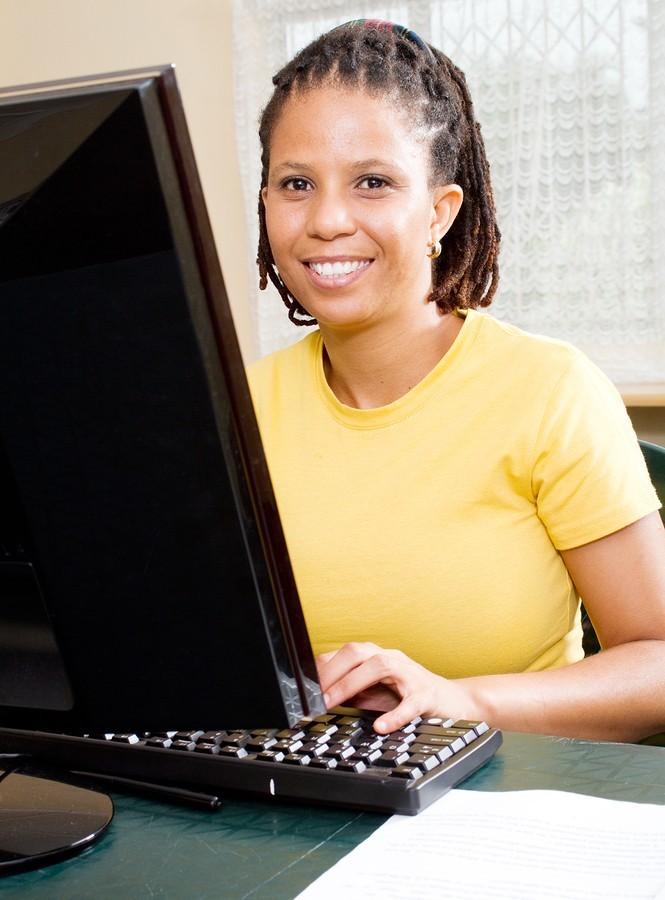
[[46, 39]]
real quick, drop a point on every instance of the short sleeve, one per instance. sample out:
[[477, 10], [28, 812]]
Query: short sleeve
[[589, 475]]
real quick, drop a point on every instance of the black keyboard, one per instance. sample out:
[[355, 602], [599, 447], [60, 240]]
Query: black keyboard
[[335, 759]]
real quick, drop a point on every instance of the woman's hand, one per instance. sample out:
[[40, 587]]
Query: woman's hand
[[369, 677]]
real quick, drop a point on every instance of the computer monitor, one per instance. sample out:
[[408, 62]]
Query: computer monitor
[[144, 576]]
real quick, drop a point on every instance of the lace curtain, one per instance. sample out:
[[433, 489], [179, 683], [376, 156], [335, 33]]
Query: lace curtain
[[571, 98]]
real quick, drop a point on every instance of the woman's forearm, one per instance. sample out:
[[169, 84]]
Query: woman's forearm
[[616, 695]]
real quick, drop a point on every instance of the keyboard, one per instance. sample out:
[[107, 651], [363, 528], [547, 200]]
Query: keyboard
[[334, 759]]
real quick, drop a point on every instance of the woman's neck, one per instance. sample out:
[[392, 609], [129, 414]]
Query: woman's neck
[[369, 369]]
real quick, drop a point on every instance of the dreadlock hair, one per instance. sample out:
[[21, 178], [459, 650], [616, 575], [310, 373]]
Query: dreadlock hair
[[386, 59]]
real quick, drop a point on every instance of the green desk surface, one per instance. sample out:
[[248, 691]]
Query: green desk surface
[[269, 851]]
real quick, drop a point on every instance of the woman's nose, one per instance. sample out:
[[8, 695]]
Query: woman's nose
[[330, 215]]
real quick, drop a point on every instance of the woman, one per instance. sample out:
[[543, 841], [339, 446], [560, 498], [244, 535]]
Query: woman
[[449, 485]]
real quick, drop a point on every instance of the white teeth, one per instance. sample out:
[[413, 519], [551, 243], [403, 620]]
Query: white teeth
[[330, 270]]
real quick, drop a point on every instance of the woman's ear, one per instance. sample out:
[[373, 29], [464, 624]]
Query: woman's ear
[[447, 201]]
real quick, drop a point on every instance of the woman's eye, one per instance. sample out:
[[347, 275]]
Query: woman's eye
[[372, 182], [296, 184]]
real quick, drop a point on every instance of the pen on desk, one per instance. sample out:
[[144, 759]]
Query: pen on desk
[[165, 792]]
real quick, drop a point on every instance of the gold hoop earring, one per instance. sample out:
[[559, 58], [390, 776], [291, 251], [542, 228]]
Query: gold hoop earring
[[435, 252]]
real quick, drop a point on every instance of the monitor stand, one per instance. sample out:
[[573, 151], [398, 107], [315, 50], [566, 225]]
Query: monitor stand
[[42, 820]]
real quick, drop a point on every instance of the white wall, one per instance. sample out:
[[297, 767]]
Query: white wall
[[42, 40]]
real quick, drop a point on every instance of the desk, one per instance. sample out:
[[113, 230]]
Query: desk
[[270, 852]]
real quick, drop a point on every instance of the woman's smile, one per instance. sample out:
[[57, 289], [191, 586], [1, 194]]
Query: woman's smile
[[337, 273]]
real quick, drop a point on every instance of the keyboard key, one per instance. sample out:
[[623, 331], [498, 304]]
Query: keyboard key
[[424, 761], [351, 765], [311, 748], [236, 739], [290, 734], [372, 742], [270, 756], [296, 759], [348, 732], [429, 729], [260, 743], [206, 747], [366, 754], [126, 738], [397, 746], [213, 737], [339, 751], [478, 727], [180, 744], [188, 735], [467, 734], [322, 728], [230, 752], [344, 721], [434, 740], [392, 758], [407, 772], [322, 762], [288, 746], [159, 741], [404, 735]]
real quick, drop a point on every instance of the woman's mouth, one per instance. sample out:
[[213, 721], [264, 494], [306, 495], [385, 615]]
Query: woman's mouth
[[338, 268]]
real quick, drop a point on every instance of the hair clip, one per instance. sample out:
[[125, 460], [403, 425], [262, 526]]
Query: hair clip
[[402, 30]]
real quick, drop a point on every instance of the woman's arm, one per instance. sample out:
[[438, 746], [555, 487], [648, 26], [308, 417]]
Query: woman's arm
[[619, 694]]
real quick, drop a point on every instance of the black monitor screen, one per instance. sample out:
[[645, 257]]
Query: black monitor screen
[[144, 578]]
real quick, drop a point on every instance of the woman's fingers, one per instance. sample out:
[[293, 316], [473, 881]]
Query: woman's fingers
[[366, 675], [353, 669]]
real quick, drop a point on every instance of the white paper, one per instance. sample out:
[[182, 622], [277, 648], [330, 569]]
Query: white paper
[[508, 846]]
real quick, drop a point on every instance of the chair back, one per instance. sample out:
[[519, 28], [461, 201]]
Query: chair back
[[655, 457]]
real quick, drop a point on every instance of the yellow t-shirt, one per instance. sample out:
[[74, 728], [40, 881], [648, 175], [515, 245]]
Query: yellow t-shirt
[[433, 525]]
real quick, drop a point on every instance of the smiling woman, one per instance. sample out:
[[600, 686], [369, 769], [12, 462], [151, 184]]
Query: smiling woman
[[352, 218], [430, 129], [449, 485]]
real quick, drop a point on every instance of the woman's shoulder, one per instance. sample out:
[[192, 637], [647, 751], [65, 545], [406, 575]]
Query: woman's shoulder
[[284, 365], [286, 357], [503, 347], [510, 338], [543, 368]]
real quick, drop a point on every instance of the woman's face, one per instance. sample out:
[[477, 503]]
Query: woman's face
[[349, 208]]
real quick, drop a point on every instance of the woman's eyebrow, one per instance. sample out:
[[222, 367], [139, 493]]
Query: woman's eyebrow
[[290, 166], [364, 164], [374, 163]]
